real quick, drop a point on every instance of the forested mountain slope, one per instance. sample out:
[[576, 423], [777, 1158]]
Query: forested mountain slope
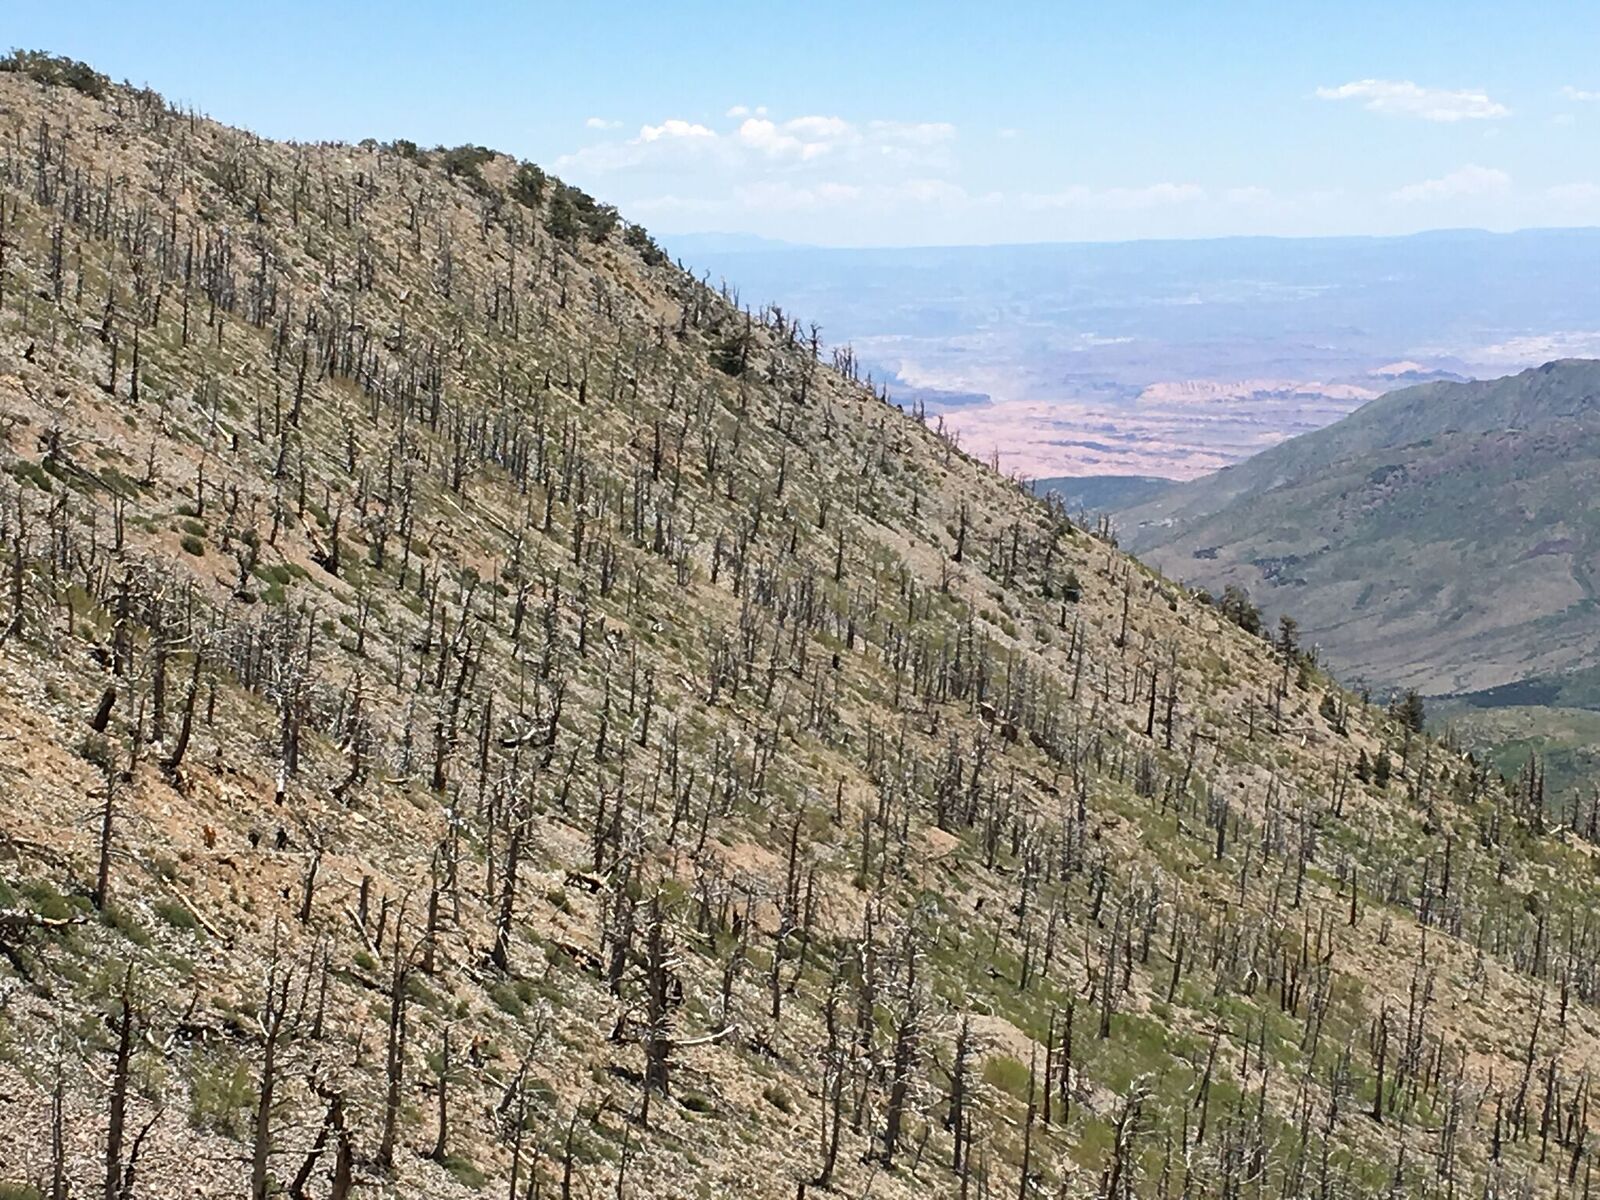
[[1442, 536], [480, 713]]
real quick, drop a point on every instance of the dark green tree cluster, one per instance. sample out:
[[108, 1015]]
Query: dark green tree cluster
[[1375, 770], [528, 185], [574, 214], [1238, 608], [639, 238], [731, 354], [56, 70], [1407, 708], [571, 214], [466, 164]]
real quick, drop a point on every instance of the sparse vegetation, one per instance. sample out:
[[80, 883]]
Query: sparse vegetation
[[606, 748]]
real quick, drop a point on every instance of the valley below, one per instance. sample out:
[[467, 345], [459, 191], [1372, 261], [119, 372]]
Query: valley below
[[1174, 359]]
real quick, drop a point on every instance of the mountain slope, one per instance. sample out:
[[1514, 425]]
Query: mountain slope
[[1440, 537], [482, 714]]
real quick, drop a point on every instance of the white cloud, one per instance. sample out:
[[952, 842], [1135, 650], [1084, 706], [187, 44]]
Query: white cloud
[[1580, 94], [783, 194], [1406, 99], [915, 133], [672, 127], [1469, 181], [1248, 195], [601, 123], [1008, 134], [810, 137], [761, 143], [674, 144], [674, 204], [1575, 193], [819, 129], [774, 141], [1155, 195], [932, 191], [876, 197]]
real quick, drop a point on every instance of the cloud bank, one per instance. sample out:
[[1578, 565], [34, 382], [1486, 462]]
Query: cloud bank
[[1402, 98]]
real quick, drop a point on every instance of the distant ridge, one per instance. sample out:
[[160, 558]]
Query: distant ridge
[[1103, 493], [1442, 536]]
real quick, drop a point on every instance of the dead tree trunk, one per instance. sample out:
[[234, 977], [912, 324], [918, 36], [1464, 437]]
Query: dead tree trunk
[[119, 1092]]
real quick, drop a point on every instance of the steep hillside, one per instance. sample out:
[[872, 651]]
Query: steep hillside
[[1441, 537], [481, 713]]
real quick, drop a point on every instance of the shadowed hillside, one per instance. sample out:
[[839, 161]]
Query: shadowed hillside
[[482, 713], [1103, 493]]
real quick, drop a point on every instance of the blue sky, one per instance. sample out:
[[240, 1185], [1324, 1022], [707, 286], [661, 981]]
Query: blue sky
[[902, 123]]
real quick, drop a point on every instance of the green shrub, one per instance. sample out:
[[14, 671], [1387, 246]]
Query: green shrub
[[697, 1103], [221, 1096], [31, 474], [44, 899], [95, 749], [1007, 1075], [175, 914], [506, 999], [465, 1171], [115, 916], [778, 1098]]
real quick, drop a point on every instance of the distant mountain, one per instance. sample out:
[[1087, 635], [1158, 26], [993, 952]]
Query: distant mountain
[[1104, 493], [1442, 536]]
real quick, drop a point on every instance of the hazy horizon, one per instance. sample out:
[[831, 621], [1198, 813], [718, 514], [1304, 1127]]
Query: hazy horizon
[[735, 242], [1174, 357]]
